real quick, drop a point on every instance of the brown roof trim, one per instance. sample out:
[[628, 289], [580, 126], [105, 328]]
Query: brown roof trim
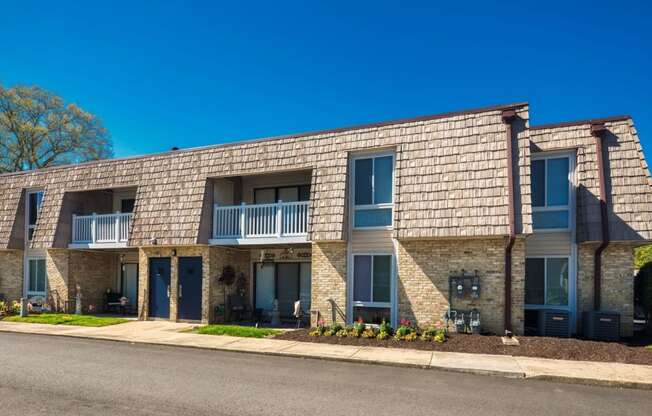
[[288, 136], [581, 122]]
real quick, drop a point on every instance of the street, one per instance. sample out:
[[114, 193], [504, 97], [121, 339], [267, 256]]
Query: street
[[54, 375]]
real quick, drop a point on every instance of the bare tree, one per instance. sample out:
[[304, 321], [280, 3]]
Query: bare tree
[[37, 130]]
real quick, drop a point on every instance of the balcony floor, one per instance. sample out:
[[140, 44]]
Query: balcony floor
[[301, 239], [98, 245]]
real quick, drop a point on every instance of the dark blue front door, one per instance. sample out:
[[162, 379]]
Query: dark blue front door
[[190, 281], [159, 287]]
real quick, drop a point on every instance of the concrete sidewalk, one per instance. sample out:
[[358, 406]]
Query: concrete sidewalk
[[172, 334]]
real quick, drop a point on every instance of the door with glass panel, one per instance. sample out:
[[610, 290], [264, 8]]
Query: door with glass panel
[[287, 282], [265, 291], [130, 284]]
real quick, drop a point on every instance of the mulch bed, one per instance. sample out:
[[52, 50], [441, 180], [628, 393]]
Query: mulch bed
[[542, 347]]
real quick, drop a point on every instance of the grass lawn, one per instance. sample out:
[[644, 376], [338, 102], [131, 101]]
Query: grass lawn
[[236, 331], [649, 347], [66, 319]]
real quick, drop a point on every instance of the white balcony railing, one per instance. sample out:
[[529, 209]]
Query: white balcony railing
[[283, 219], [101, 229]]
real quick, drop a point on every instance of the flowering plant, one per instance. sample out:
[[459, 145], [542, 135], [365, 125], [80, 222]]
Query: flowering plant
[[405, 328]]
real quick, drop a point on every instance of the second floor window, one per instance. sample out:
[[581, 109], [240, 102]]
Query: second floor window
[[551, 187], [34, 201], [373, 191]]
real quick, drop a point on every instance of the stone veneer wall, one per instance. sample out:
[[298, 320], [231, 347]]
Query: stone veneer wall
[[424, 267], [617, 282], [329, 281], [11, 274]]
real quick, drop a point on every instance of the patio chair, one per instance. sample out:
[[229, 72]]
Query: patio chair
[[112, 302], [298, 313]]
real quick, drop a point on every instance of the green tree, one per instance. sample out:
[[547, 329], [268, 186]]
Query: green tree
[[643, 256], [37, 130]]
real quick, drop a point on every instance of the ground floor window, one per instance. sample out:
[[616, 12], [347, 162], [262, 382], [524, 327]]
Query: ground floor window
[[286, 282], [372, 287], [546, 281], [36, 277]]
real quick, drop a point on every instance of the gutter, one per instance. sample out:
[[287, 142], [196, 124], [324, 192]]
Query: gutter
[[597, 131], [508, 116]]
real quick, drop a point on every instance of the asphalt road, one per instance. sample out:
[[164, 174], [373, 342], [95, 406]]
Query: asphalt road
[[51, 375]]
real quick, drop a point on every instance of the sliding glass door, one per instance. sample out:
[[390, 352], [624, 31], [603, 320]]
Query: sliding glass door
[[287, 282]]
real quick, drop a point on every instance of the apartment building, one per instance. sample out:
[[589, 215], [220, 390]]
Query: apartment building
[[369, 222]]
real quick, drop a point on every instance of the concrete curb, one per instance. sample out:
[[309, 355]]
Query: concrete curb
[[592, 381], [464, 370]]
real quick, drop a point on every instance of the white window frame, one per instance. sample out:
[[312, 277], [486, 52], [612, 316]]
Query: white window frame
[[392, 283], [30, 293], [28, 212], [568, 207], [373, 190], [569, 288]]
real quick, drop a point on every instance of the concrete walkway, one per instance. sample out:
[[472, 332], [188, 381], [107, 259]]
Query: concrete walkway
[[172, 334]]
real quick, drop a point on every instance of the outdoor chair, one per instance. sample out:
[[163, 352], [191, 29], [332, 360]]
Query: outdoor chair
[[112, 302], [298, 313]]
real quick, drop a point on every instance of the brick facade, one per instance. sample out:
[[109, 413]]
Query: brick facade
[[11, 274], [90, 273], [617, 282], [328, 292], [216, 290], [213, 261], [450, 213], [425, 266]]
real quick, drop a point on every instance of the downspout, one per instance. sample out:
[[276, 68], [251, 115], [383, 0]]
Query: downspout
[[597, 131], [508, 117]]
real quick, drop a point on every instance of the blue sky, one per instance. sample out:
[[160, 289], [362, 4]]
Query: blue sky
[[163, 74]]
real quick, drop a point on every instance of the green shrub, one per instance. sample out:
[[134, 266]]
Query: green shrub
[[643, 288], [386, 327], [328, 333], [406, 328], [369, 333], [336, 327], [352, 331], [435, 333], [382, 335], [341, 333], [15, 308], [412, 336]]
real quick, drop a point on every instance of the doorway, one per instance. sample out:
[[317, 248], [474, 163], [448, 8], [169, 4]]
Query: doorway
[[287, 282], [159, 287], [129, 285], [190, 288]]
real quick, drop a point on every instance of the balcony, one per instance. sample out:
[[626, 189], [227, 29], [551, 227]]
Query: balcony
[[276, 223], [101, 231]]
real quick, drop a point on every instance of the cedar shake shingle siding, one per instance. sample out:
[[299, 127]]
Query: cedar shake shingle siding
[[445, 161], [451, 180], [628, 184]]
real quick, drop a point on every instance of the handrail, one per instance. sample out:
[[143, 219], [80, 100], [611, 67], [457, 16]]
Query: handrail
[[101, 228], [281, 219]]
